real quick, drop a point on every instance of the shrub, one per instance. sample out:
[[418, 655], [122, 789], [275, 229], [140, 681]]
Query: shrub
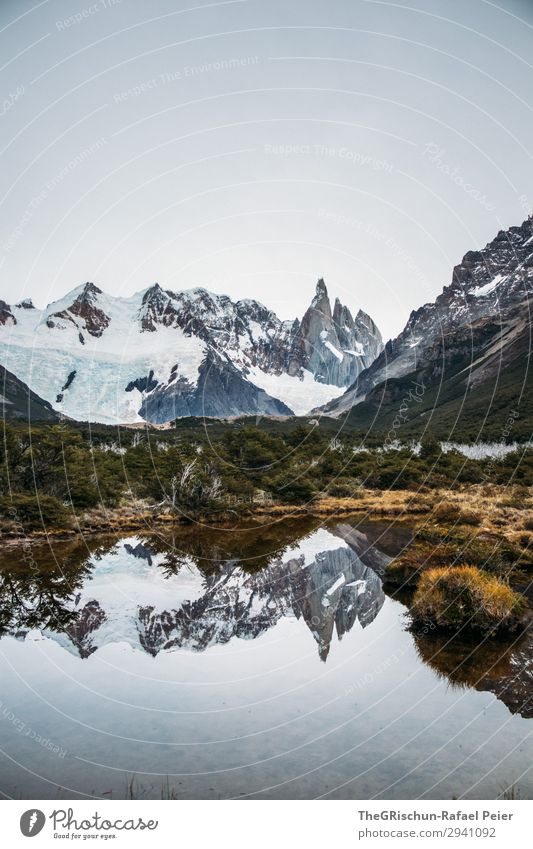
[[430, 449], [342, 488], [518, 497], [454, 513], [35, 512], [297, 491], [421, 555], [464, 596], [469, 517], [447, 513], [526, 539]]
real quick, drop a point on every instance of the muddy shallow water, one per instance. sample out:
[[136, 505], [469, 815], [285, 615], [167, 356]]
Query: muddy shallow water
[[263, 663]]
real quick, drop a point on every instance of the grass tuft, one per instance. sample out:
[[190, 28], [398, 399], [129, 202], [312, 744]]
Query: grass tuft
[[466, 597]]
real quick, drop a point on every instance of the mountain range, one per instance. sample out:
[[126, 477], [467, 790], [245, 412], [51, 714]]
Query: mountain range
[[159, 355]]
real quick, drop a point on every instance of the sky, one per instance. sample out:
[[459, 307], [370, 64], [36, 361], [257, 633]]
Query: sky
[[252, 147]]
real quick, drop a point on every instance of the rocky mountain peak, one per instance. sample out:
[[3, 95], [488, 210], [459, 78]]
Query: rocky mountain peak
[[84, 314], [157, 308], [222, 358], [90, 291], [331, 344], [152, 292], [509, 251], [342, 317], [494, 280], [320, 302]]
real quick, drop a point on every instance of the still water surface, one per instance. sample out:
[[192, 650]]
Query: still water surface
[[254, 663]]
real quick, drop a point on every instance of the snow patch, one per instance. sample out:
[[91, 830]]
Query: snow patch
[[489, 287], [43, 358], [337, 585], [360, 586], [300, 395], [334, 351]]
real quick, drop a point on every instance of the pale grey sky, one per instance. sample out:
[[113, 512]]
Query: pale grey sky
[[251, 146]]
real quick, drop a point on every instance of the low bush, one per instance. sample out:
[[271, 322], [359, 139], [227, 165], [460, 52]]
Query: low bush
[[447, 513], [465, 597], [456, 514], [469, 517], [35, 513], [300, 490], [344, 488]]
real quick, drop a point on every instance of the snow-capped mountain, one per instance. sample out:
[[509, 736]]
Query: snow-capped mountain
[[483, 315], [159, 355]]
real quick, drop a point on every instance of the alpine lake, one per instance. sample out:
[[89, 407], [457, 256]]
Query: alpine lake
[[247, 662]]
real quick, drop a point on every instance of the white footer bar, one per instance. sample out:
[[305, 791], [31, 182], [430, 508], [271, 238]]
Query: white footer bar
[[262, 824]]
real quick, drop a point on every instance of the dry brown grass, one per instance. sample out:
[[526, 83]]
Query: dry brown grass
[[477, 505], [466, 597]]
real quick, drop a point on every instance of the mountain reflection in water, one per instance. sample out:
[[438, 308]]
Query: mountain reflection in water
[[151, 594], [258, 661], [203, 587]]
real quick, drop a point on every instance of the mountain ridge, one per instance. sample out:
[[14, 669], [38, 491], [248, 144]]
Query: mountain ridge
[[159, 355], [489, 287]]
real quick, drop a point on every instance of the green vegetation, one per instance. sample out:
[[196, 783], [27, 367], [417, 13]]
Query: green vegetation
[[446, 408], [465, 597], [52, 474], [32, 511]]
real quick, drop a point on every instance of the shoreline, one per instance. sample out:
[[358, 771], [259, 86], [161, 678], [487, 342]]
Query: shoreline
[[488, 512]]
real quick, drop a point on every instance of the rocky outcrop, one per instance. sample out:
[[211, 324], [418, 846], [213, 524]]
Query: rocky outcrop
[[157, 310], [83, 313], [6, 316], [221, 391], [246, 330]]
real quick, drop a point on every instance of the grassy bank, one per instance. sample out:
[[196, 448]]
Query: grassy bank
[[469, 513]]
